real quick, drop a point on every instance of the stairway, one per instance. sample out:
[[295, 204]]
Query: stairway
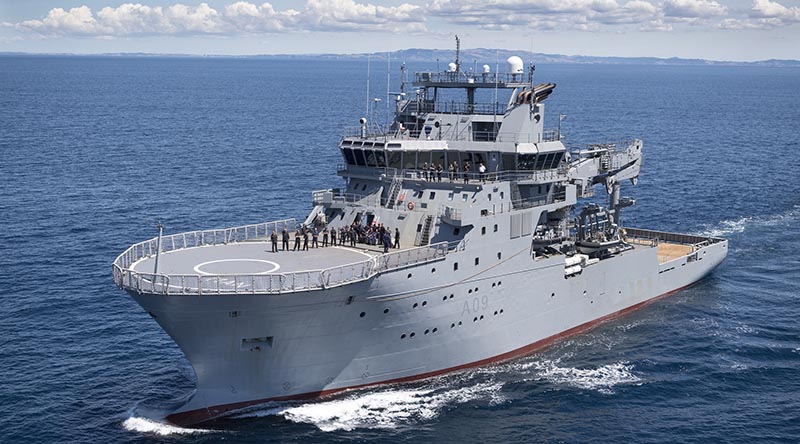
[[424, 236], [394, 191]]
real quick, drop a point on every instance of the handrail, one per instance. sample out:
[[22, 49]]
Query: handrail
[[272, 283], [548, 175]]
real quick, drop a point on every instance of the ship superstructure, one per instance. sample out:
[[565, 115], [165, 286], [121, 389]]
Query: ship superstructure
[[494, 260]]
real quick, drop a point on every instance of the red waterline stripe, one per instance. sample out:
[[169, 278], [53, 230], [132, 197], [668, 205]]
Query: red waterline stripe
[[201, 415]]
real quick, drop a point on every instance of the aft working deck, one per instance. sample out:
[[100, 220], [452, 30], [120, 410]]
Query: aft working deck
[[670, 246]]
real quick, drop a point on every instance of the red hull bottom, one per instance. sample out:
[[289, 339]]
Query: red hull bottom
[[201, 415]]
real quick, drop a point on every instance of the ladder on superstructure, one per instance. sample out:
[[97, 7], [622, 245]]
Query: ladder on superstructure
[[424, 236], [394, 191]]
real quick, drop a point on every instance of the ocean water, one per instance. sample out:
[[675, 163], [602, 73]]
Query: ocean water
[[95, 151]]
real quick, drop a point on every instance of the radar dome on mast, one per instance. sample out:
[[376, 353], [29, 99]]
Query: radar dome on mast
[[487, 69], [452, 67], [515, 65]]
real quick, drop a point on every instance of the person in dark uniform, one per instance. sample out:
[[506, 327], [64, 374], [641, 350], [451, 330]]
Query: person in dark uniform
[[466, 172], [353, 237], [285, 236], [396, 238], [325, 237], [387, 241], [452, 170], [274, 238], [296, 240], [314, 238], [439, 169], [333, 237], [305, 240]]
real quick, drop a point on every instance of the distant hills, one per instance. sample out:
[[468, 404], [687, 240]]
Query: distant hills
[[481, 55]]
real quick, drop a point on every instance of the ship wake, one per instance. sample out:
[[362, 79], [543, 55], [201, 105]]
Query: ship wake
[[147, 426], [386, 409]]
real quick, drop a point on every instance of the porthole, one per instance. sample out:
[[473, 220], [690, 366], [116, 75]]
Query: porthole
[[415, 305], [385, 310], [363, 313], [475, 319], [495, 312], [435, 330], [499, 283], [444, 298], [433, 270], [424, 303], [403, 336], [552, 295], [411, 335], [452, 296], [427, 331], [409, 276], [501, 311], [494, 284], [469, 291], [476, 289], [584, 292], [453, 325], [481, 317], [459, 322]]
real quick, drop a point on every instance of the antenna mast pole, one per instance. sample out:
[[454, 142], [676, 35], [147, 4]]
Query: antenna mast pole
[[458, 54]]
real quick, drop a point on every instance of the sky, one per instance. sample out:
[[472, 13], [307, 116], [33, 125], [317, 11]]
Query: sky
[[737, 30]]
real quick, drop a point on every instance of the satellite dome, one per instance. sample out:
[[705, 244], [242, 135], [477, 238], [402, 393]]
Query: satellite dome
[[486, 69], [452, 67], [515, 65]]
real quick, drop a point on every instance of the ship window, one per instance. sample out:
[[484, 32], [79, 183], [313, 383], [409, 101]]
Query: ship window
[[380, 159], [364, 187], [478, 160], [477, 261], [437, 157], [499, 255], [527, 161], [455, 266], [359, 157], [540, 161], [395, 159], [510, 161], [423, 158], [464, 196], [490, 197], [495, 228], [483, 230], [502, 195], [348, 156], [433, 194], [456, 231], [369, 155], [549, 161], [409, 160], [450, 196]]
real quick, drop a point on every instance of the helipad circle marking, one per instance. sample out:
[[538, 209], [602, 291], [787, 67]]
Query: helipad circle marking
[[197, 268]]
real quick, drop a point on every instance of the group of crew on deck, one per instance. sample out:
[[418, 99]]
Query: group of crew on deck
[[373, 234], [433, 173]]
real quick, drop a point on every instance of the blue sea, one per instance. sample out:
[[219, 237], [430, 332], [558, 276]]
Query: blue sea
[[94, 151]]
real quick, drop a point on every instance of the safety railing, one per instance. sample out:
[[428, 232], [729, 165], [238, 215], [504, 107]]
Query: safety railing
[[676, 238], [273, 283], [548, 175]]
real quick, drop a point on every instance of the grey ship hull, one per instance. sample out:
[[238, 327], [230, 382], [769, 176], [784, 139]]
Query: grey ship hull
[[416, 322]]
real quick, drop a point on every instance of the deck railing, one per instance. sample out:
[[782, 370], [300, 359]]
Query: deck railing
[[195, 284]]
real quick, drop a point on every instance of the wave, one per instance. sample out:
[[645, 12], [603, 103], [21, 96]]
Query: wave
[[386, 409], [149, 426], [601, 379], [739, 225]]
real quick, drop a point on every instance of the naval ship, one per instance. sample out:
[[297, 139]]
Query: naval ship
[[501, 252]]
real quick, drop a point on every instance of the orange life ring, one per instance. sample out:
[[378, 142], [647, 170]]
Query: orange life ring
[[411, 205]]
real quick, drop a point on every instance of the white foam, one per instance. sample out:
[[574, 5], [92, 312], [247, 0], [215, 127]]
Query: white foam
[[601, 379], [385, 409], [739, 225], [149, 426]]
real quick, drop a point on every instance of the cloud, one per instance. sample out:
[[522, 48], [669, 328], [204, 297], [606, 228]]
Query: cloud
[[692, 9], [134, 19], [764, 14]]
